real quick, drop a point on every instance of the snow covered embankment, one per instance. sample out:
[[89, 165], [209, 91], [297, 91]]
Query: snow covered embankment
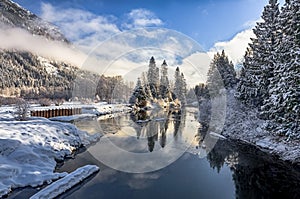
[[94, 110], [243, 124], [62, 185], [29, 150]]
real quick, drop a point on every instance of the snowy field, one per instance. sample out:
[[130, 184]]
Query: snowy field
[[29, 149]]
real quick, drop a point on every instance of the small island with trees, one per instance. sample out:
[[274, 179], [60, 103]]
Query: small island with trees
[[154, 89]]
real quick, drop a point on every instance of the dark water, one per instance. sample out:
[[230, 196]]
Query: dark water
[[230, 170]]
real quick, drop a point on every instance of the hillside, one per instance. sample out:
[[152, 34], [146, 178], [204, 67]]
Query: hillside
[[28, 75], [14, 16]]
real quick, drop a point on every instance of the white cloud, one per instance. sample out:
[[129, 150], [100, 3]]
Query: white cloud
[[195, 67], [81, 27], [234, 48], [142, 18]]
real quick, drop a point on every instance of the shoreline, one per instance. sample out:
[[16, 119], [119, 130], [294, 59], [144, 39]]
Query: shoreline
[[243, 124]]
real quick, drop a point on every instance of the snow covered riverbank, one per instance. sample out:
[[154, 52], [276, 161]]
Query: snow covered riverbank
[[29, 150], [243, 124]]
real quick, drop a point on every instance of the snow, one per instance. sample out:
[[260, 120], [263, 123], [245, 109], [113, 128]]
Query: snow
[[243, 124], [62, 185], [48, 66], [217, 135], [29, 150], [72, 117]]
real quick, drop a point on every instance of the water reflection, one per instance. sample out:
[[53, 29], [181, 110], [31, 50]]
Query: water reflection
[[231, 169], [255, 173], [152, 138], [156, 127]]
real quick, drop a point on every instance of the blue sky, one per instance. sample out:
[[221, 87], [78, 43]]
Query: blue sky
[[207, 22]]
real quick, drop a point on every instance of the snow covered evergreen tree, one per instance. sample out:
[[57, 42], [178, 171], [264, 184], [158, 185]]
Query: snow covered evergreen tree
[[146, 86], [180, 89], [139, 96], [260, 58], [282, 106], [153, 77], [164, 82], [221, 74]]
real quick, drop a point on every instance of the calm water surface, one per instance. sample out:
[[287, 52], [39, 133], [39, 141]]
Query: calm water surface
[[230, 170]]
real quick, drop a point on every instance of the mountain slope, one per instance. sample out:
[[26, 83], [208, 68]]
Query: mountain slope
[[29, 75], [14, 16]]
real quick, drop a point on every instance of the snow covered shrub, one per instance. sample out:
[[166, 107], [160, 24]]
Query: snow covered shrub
[[22, 109]]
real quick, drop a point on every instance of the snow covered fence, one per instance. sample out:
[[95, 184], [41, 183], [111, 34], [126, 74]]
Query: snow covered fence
[[62, 185]]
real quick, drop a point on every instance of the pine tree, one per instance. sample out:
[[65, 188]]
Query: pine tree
[[153, 77], [260, 58], [221, 74], [180, 86], [139, 95], [282, 106], [247, 88], [164, 81]]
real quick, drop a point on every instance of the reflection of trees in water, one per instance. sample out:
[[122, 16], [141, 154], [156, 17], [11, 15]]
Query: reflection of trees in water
[[179, 122], [156, 130], [111, 125], [256, 174]]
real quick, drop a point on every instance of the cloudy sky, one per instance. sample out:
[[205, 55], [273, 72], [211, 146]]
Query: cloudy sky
[[213, 24]]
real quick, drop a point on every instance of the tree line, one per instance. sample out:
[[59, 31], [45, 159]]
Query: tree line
[[270, 74]]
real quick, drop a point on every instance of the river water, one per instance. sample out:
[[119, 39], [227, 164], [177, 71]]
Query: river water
[[230, 169], [170, 155]]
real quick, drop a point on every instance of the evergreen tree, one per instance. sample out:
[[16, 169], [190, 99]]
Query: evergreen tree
[[139, 95], [282, 106], [221, 74], [180, 86], [164, 81], [153, 77], [260, 58], [146, 86]]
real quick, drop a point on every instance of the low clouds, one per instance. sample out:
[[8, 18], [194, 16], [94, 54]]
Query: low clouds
[[16, 38]]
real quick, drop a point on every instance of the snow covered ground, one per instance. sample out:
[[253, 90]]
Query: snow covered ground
[[29, 149], [243, 124], [62, 185]]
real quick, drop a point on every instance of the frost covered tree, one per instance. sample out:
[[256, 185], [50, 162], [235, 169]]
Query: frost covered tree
[[283, 104], [164, 87], [221, 74], [139, 96], [260, 58], [180, 87], [146, 86], [153, 77]]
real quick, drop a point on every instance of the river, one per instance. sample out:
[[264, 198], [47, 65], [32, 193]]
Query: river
[[170, 155], [230, 169]]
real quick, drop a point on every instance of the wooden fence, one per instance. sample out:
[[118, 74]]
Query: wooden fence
[[55, 112]]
